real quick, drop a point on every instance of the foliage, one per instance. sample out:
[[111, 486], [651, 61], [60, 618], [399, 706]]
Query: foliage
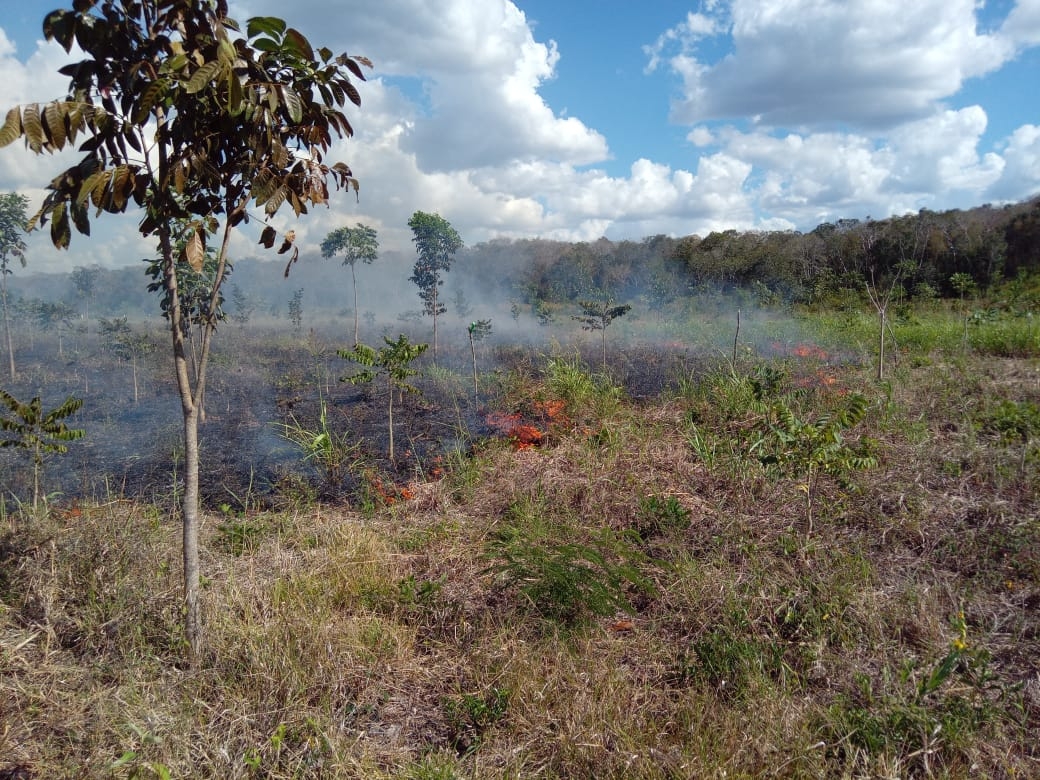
[[566, 580], [38, 432], [333, 453], [597, 315], [436, 243], [188, 120], [12, 246], [809, 449], [392, 362], [471, 715]]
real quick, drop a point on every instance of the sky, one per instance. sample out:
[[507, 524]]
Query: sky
[[577, 119]]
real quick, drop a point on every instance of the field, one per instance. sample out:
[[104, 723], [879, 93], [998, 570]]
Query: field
[[716, 552]]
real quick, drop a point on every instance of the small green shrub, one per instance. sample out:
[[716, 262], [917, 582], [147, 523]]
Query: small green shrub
[[659, 516], [566, 580], [470, 715], [1013, 420]]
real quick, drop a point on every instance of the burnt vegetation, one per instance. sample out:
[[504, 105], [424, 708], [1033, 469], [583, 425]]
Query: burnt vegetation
[[707, 541]]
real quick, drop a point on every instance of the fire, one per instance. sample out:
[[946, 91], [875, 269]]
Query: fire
[[523, 435]]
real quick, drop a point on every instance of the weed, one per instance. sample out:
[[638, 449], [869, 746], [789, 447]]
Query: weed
[[470, 716], [659, 516], [567, 580], [333, 453]]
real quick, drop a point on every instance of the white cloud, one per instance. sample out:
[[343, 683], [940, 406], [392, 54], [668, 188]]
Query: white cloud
[[480, 68], [479, 144], [1021, 174], [799, 63], [1022, 26]]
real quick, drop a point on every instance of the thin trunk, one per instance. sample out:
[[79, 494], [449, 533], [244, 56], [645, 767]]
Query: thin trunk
[[7, 323], [190, 534], [354, 281], [133, 366], [435, 324], [190, 498], [473, 351], [37, 465], [390, 415], [881, 344], [736, 338]]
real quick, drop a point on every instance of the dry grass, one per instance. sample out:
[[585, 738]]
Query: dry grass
[[378, 645]]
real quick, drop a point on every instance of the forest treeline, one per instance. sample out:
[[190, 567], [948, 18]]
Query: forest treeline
[[927, 255], [930, 254]]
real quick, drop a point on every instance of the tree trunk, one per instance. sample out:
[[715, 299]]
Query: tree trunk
[[7, 326], [390, 415], [434, 324], [190, 533], [353, 279], [881, 345], [473, 352]]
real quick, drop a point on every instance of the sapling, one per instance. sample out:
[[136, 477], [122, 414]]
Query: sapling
[[393, 362], [597, 315], [38, 432], [808, 449]]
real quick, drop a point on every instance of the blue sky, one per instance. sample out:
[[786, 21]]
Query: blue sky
[[578, 119]]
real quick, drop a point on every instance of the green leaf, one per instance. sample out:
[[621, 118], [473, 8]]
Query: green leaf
[[295, 40], [265, 25], [203, 76], [152, 94]]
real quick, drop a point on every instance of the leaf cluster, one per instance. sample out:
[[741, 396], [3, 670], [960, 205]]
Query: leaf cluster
[[436, 243], [358, 243], [479, 330], [32, 428], [12, 229], [394, 361], [815, 446], [236, 118], [597, 315]]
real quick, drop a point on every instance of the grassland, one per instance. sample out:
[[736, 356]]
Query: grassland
[[777, 567]]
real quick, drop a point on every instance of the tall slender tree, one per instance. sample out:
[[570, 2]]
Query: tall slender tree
[[358, 244], [436, 242], [12, 247], [179, 114]]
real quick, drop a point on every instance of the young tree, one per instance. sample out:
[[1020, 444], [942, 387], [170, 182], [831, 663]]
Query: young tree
[[357, 244], [121, 340], [179, 114], [12, 245], [84, 281], [296, 310], [37, 432], [393, 362], [597, 315], [436, 241]]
